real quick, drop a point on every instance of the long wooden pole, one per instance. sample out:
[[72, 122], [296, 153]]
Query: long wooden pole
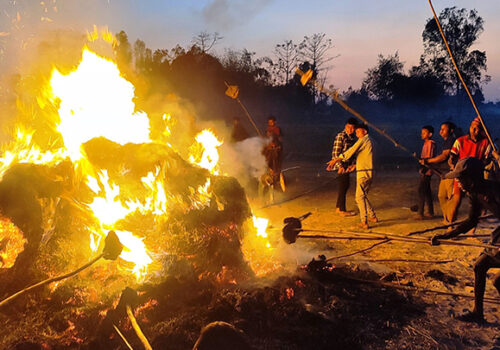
[[460, 77]]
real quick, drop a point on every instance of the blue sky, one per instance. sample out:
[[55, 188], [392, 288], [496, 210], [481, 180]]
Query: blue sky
[[360, 29]]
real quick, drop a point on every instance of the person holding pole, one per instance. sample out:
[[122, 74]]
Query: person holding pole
[[484, 194], [475, 144], [363, 151], [343, 141], [445, 191]]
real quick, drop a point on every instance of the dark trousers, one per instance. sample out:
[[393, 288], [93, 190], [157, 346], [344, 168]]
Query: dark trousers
[[343, 181], [425, 194]]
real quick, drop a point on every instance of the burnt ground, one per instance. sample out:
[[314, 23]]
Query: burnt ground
[[296, 307], [392, 194]]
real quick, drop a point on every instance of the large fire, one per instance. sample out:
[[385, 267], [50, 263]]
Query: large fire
[[95, 101]]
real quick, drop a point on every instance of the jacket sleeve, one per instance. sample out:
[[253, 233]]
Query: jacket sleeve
[[353, 150]]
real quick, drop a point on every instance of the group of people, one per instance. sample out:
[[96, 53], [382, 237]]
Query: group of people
[[462, 166], [474, 144]]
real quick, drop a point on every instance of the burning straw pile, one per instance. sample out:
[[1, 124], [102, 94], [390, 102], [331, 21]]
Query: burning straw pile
[[83, 161]]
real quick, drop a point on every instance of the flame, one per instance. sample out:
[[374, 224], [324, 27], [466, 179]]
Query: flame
[[11, 243], [257, 249], [23, 150], [135, 252], [205, 152], [261, 225], [96, 101]]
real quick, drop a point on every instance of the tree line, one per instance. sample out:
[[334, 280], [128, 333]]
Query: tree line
[[268, 85]]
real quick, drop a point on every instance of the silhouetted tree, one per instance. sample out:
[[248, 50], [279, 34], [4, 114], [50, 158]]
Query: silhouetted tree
[[123, 49], [314, 49], [286, 54], [461, 27], [381, 80], [206, 41]]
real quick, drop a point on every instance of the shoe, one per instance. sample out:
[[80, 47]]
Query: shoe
[[429, 216], [472, 316], [373, 219], [346, 213], [419, 217], [364, 225]]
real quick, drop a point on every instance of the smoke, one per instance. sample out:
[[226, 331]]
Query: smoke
[[227, 14], [244, 160]]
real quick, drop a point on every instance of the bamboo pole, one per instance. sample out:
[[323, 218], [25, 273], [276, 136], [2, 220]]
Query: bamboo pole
[[50, 280], [137, 329], [460, 77]]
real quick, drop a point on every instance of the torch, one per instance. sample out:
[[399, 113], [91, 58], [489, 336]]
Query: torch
[[112, 249]]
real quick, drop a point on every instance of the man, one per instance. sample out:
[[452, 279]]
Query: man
[[475, 144], [343, 141], [440, 163], [273, 152], [424, 187], [484, 194], [239, 132], [362, 151]]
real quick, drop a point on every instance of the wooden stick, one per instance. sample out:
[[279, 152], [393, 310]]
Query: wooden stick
[[123, 338], [462, 79], [359, 251], [416, 289], [398, 238], [137, 329], [50, 280], [412, 261]]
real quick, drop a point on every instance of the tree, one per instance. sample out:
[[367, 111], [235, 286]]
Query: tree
[[381, 80], [314, 49], [123, 49], [206, 41], [461, 29], [287, 54]]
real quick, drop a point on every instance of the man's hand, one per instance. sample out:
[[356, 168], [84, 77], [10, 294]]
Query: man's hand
[[341, 170], [496, 155], [351, 168], [422, 161], [331, 164]]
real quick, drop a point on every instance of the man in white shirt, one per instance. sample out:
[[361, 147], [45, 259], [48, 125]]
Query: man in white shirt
[[363, 151]]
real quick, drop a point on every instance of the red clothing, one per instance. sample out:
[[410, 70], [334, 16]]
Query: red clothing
[[428, 151], [465, 147], [274, 131]]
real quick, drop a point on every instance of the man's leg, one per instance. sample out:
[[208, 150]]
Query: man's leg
[[360, 199], [428, 194], [455, 201], [421, 195], [343, 181], [445, 193], [481, 267]]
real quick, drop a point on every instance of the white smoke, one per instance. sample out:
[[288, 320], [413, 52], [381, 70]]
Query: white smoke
[[244, 160], [226, 14]]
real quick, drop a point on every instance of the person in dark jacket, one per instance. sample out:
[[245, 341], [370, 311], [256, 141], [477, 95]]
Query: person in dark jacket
[[483, 194]]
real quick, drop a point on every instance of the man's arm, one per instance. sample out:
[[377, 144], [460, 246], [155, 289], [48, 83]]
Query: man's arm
[[337, 146], [352, 150], [471, 222], [439, 158]]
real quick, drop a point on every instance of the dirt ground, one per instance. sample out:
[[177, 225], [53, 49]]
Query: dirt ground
[[392, 193]]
